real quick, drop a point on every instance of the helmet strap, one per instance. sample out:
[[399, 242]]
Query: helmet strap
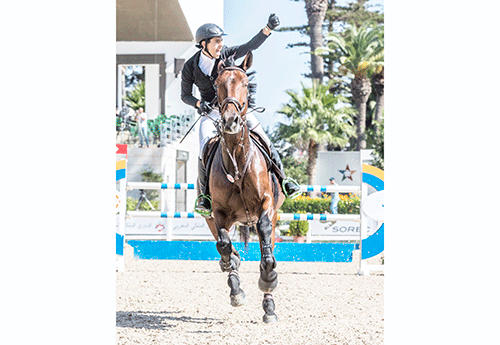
[[206, 48]]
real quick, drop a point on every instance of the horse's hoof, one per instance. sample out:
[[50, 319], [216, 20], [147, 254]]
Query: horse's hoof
[[267, 287], [270, 318], [238, 300]]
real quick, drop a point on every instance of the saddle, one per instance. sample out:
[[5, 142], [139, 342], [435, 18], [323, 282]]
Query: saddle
[[212, 145]]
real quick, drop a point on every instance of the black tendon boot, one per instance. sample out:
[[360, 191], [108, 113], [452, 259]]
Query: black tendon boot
[[289, 185], [203, 203]]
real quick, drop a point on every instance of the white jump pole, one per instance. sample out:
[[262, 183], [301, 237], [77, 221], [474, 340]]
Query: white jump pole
[[189, 186], [281, 216]]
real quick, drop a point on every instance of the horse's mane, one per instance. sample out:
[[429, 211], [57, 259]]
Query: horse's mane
[[252, 86]]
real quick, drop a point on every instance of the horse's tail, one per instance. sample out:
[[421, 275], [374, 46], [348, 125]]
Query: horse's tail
[[245, 234]]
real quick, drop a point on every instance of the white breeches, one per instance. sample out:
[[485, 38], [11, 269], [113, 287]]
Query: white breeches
[[207, 128]]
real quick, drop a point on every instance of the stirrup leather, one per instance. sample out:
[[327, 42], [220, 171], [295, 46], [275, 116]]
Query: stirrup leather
[[293, 195], [204, 213]]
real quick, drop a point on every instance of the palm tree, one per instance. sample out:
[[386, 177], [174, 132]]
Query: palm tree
[[378, 90], [316, 12], [361, 51], [317, 117], [137, 97], [378, 86]]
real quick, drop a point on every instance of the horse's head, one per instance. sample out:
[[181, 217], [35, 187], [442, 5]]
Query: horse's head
[[233, 93]]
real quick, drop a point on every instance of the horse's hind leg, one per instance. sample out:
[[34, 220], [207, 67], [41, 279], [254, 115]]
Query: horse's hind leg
[[268, 279]]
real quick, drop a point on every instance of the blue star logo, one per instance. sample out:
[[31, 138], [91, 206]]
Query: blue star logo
[[347, 173]]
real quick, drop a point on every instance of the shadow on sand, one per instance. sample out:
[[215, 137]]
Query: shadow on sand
[[156, 319]]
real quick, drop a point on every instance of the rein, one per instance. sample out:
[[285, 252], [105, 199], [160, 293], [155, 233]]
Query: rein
[[232, 156]]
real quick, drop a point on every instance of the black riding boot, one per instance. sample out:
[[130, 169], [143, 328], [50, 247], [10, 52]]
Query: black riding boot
[[290, 187], [203, 204]]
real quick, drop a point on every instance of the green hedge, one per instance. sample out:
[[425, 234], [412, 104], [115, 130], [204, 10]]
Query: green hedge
[[349, 205], [304, 204], [298, 228]]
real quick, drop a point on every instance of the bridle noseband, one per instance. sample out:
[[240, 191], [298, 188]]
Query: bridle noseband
[[236, 103]]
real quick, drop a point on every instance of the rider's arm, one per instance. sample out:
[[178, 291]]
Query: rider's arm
[[242, 50], [256, 41], [187, 83]]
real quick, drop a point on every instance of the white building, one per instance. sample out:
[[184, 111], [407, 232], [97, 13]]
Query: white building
[[159, 34]]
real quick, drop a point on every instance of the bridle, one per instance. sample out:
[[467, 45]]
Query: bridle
[[240, 108]]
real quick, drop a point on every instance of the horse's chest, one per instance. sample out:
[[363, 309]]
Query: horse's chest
[[243, 208]]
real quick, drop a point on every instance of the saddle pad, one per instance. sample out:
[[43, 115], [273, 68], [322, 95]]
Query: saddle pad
[[209, 150]]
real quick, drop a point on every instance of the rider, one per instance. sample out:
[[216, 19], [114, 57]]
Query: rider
[[201, 70]]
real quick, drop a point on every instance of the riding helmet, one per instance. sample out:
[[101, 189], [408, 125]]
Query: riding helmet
[[207, 31]]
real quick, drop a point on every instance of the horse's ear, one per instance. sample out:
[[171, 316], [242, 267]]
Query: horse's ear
[[247, 63], [220, 66]]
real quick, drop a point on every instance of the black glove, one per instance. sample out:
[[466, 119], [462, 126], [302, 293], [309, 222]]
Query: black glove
[[273, 21], [204, 108]]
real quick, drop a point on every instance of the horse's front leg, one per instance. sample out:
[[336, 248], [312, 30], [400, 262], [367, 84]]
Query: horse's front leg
[[230, 262], [268, 279]]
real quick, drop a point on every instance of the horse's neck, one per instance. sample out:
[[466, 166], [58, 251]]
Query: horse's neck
[[238, 148]]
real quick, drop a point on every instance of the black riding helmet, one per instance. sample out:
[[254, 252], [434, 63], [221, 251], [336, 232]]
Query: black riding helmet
[[206, 32]]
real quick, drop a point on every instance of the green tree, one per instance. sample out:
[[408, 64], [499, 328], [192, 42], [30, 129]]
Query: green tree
[[376, 141], [360, 51], [317, 117], [335, 18], [354, 13], [378, 90], [137, 97]]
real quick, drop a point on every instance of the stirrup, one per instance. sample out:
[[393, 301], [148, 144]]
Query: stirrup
[[203, 213], [293, 195]]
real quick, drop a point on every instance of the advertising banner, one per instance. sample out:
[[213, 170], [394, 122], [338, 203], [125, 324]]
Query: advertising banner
[[158, 226]]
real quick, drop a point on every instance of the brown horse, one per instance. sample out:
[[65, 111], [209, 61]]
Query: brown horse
[[244, 192]]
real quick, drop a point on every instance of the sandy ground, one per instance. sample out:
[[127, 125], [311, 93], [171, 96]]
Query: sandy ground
[[187, 302]]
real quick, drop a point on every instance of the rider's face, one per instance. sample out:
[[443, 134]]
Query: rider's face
[[214, 47]]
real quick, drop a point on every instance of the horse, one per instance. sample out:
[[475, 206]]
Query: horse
[[243, 190]]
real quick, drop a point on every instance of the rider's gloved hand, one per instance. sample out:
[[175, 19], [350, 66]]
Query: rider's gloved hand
[[204, 108], [273, 21]]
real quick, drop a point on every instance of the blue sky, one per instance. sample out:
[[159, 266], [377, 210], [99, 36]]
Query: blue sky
[[278, 68]]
